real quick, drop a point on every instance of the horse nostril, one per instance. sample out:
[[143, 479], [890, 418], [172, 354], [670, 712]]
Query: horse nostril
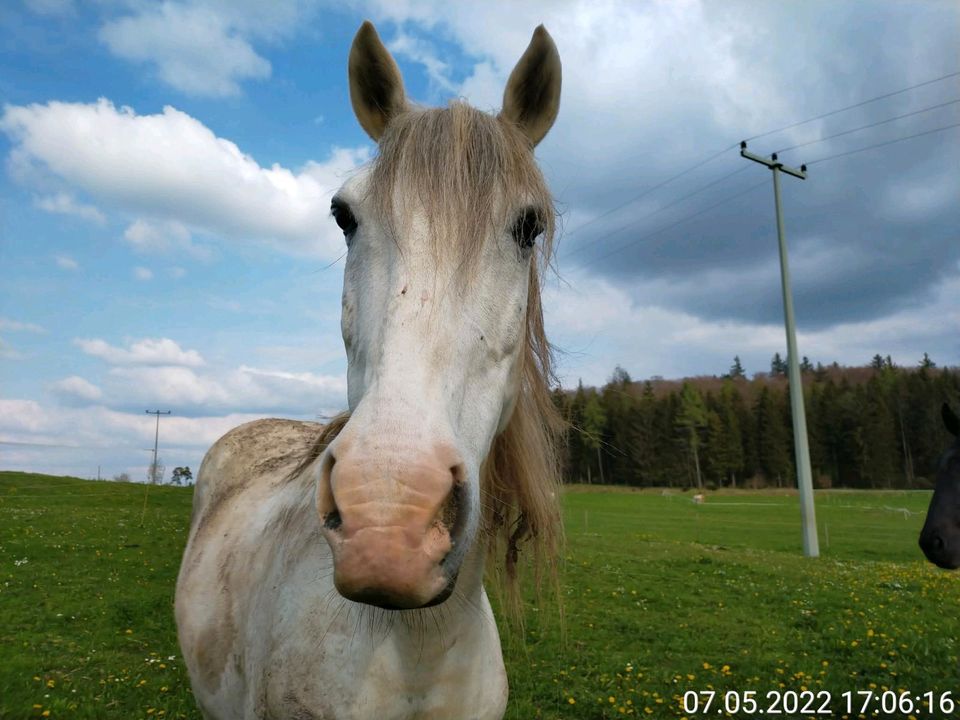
[[453, 512], [932, 542], [326, 503], [332, 521]]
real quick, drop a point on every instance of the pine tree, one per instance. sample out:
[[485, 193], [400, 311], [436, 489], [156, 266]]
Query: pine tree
[[692, 416], [772, 438], [641, 444], [594, 426], [878, 440], [724, 451], [577, 451], [736, 370], [778, 365], [617, 403]]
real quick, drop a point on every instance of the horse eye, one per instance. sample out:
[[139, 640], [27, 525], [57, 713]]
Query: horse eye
[[344, 217], [527, 228]]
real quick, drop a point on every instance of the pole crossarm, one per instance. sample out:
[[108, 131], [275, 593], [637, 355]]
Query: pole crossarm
[[773, 162]]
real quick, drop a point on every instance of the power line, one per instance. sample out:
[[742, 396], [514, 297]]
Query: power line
[[855, 105], [649, 190], [719, 153], [684, 219], [687, 218], [710, 207], [660, 209], [871, 125], [883, 144], [726, 177]]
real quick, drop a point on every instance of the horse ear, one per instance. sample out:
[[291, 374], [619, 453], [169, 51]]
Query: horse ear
[[950, 420], [532, 97], [376, 87]]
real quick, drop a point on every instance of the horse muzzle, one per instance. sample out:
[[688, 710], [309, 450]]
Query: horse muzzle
[[394, 523], [938, 549]]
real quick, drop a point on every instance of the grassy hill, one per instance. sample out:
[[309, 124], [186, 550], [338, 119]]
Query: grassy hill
[[660, 597]]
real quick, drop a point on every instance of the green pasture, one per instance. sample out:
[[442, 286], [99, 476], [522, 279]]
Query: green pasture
[[660, 596]]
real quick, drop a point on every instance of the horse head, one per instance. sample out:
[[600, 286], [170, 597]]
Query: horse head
[[940, 537], [441, 321]]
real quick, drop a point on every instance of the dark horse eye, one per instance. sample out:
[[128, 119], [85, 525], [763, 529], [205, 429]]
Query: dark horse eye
[[527, 228], [344, 217]]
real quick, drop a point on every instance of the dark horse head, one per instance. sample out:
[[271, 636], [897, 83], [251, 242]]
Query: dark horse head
[[940, 537]]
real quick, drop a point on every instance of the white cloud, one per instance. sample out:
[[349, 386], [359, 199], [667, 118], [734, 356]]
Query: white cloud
[[623, 76], [177, 272], [7, 352], [78, 440], [244, 389], [16, 326], [65, 262], [194, 48], [76, 388], [142, 273], [149, 351], [422, 52], [649, 339], [155, 370], [163, 237], [171, 167], [66, 204], [51, 7]]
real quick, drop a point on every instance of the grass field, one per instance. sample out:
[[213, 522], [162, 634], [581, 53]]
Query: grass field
[[660, 597]]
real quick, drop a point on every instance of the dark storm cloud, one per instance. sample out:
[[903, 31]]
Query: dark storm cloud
[[869, 234]]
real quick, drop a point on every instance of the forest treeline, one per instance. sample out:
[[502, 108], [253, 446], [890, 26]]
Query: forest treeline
[[877, 426]]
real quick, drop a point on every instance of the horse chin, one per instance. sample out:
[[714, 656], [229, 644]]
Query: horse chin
[[441, 597], [389, 601], [947, 563]]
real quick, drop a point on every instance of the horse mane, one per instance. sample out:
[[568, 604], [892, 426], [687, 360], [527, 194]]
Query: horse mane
[[458, 162]]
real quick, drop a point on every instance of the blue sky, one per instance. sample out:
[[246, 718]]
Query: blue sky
[[168, 166]]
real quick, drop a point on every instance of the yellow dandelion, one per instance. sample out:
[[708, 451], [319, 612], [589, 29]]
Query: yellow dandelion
[[51, 683], [571, 701]]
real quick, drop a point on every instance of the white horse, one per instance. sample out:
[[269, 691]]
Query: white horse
[[337, 572]]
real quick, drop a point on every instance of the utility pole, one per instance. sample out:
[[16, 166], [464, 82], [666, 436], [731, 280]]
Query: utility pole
[[156, 438], [811, 545]]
